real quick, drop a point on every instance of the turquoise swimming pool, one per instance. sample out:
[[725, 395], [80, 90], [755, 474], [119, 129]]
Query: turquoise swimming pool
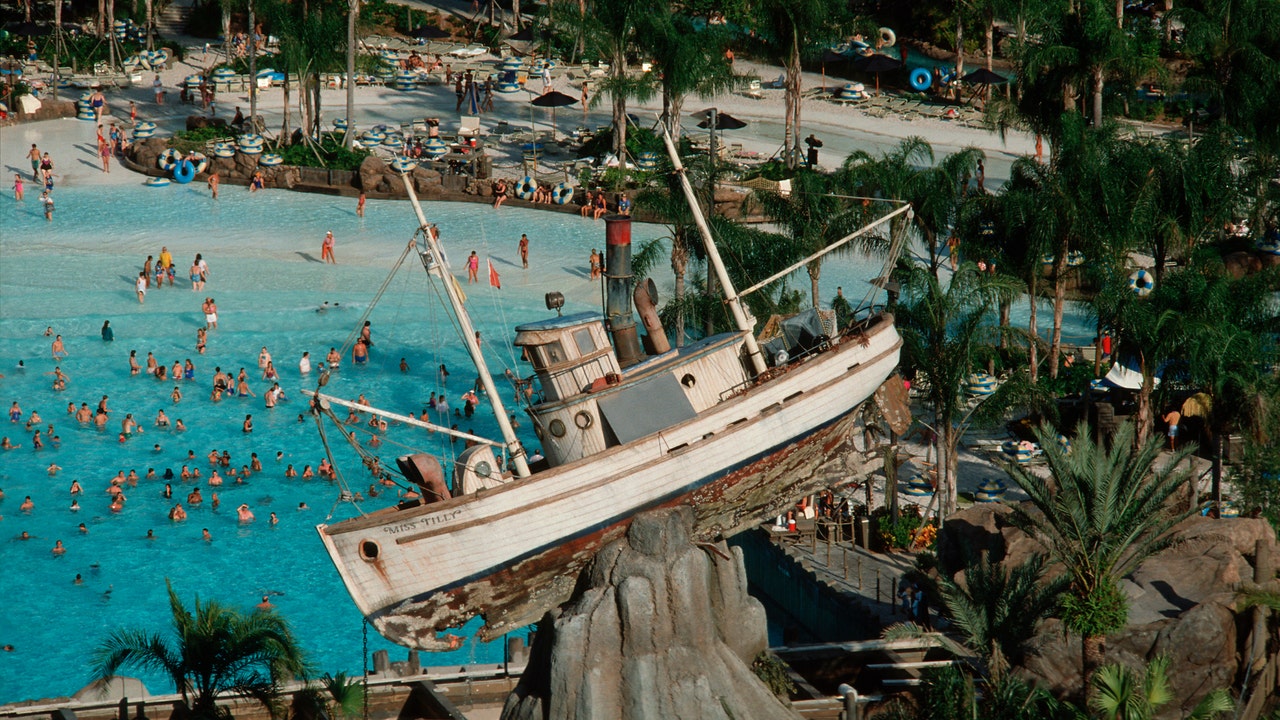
[[263, 251]]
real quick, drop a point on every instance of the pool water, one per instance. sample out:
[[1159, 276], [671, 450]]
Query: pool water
[[263, 250]]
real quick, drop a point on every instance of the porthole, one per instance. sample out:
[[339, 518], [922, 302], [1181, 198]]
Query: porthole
[[369, 550], [583, 420], [688, 380], [556, 427], [483, 469]]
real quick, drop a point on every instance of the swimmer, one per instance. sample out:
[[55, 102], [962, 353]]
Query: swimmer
[[247, 426], [75, 506], [84, 530], [334, 360], [304, 365], [204, 535], [58, 549], [303, 506], [194, 497], [134, 368], [274, 520], [78, 580], [265, 605], [177, 514], [27, 506], [75, 488], [162, 420], [168, 491], [188, 370], [53, 469], [244, 513], [264, 358], [213, 184], [216, 501], [243, 390], [404, 365], [58, 349], [176, 371], [151, 535], [178, 426]]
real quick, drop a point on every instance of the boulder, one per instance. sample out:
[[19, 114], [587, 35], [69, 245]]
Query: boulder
[[371, 171], [197, 122], [658, 628], [1181, 603], [146, 152]]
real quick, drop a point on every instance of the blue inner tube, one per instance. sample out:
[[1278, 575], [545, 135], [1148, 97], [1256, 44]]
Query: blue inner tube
[[525, 188], [184, 172], [562, 194], [921, 79]]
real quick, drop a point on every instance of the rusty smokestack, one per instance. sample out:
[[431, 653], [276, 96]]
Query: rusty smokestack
[[618, 282]]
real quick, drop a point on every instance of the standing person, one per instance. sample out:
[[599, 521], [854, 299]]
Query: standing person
[[133, 113], [595, 264], [473, 268], [166, 262], [98, 102], [1173, 417], [146, 270], [546, 77], [197, 283], [158, 87], [524, 250], [34, 156], [213, 184], [326, 249], [204, 269], [58, 349], [104, 152], [459, 90], [48, 205], [143, 280], [982, 176], [586, 97], [17, 186], [360, 205], [108, 335], [814, 143]]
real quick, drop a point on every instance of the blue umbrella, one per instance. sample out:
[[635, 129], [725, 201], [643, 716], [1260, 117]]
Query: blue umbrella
[[473, 98]]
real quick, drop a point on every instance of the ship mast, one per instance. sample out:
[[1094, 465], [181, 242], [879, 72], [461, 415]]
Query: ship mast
[[713, 256], [514, 448]]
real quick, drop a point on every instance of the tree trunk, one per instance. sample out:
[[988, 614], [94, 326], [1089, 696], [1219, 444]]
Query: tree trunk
[[353, 12], [1216, 487], [950, 440], [679, 265], [815, 271], [1145, 420], [1165, 24], [959, 51], [1120, 14], [1093, 649], [1098, 82], [100, 20], [226, 29], [1033, 344], [1059, 305], [990, 38], [1006, 304], [791, 111], [253, 76], [111, 33], [284, 121], [26, 10], [618, 69]]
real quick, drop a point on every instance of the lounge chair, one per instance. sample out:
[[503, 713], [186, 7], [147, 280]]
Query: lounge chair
[[469, 126]]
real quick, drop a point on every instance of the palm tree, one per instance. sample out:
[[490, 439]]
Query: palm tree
[[1120, 693], [910, 172], [943, 331], [1100, 513], [337, 696], [998, 610], [812, 216], [217, 650], [789, 28], [353, 14], [686, 61]]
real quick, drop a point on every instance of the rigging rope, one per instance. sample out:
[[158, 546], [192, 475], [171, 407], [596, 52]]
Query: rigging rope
[[355, 333]]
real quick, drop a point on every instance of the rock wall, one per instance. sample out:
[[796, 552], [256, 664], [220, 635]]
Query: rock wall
[[659, 628], [1181, 603]]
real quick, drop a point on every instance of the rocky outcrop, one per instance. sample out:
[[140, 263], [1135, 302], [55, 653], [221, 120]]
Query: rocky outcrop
[[1181, 602], [658, 628]]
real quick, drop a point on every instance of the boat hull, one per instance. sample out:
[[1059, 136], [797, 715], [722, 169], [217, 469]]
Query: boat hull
[[512, 553]]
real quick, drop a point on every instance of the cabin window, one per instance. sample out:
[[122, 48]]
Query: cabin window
[[583, 420], [482, 469], [688, 381], [369, 550], [586, 343], [556, 427], [553, 352]]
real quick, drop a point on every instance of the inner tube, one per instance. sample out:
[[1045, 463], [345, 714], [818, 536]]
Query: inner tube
[[920, 79], [157, 182], [887, 37], [562, 194], [508, 87], [202, 162], [403, 165], [184, 172], [224, 150], [270, 160], [1142, 283], [524, 188], [168, 159]]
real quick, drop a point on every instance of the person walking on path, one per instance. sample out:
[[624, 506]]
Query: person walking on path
[[34, 156], [326, 249], [524, 250]]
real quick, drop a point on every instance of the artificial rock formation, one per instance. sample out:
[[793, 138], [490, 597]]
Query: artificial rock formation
[[658, 628], [1182, 602]]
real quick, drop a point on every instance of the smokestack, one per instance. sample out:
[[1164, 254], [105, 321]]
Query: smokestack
[[618, 281]]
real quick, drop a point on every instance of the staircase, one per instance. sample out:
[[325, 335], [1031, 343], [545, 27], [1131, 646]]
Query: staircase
[[172, 23]]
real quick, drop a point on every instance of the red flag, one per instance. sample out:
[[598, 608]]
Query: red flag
[[494, 280]]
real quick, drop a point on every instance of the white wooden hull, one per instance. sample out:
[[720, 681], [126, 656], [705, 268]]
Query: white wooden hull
[[512, 553]]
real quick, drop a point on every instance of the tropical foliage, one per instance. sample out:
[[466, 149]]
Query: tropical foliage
[[212, 650]]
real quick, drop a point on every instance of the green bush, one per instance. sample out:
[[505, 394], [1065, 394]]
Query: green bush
[[898, 534], [332, 154]]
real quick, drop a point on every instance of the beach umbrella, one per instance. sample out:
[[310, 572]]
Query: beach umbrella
[[830, 56], [876, 64], [553, 99], [473, 98], [983, 76], [724, 121]]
